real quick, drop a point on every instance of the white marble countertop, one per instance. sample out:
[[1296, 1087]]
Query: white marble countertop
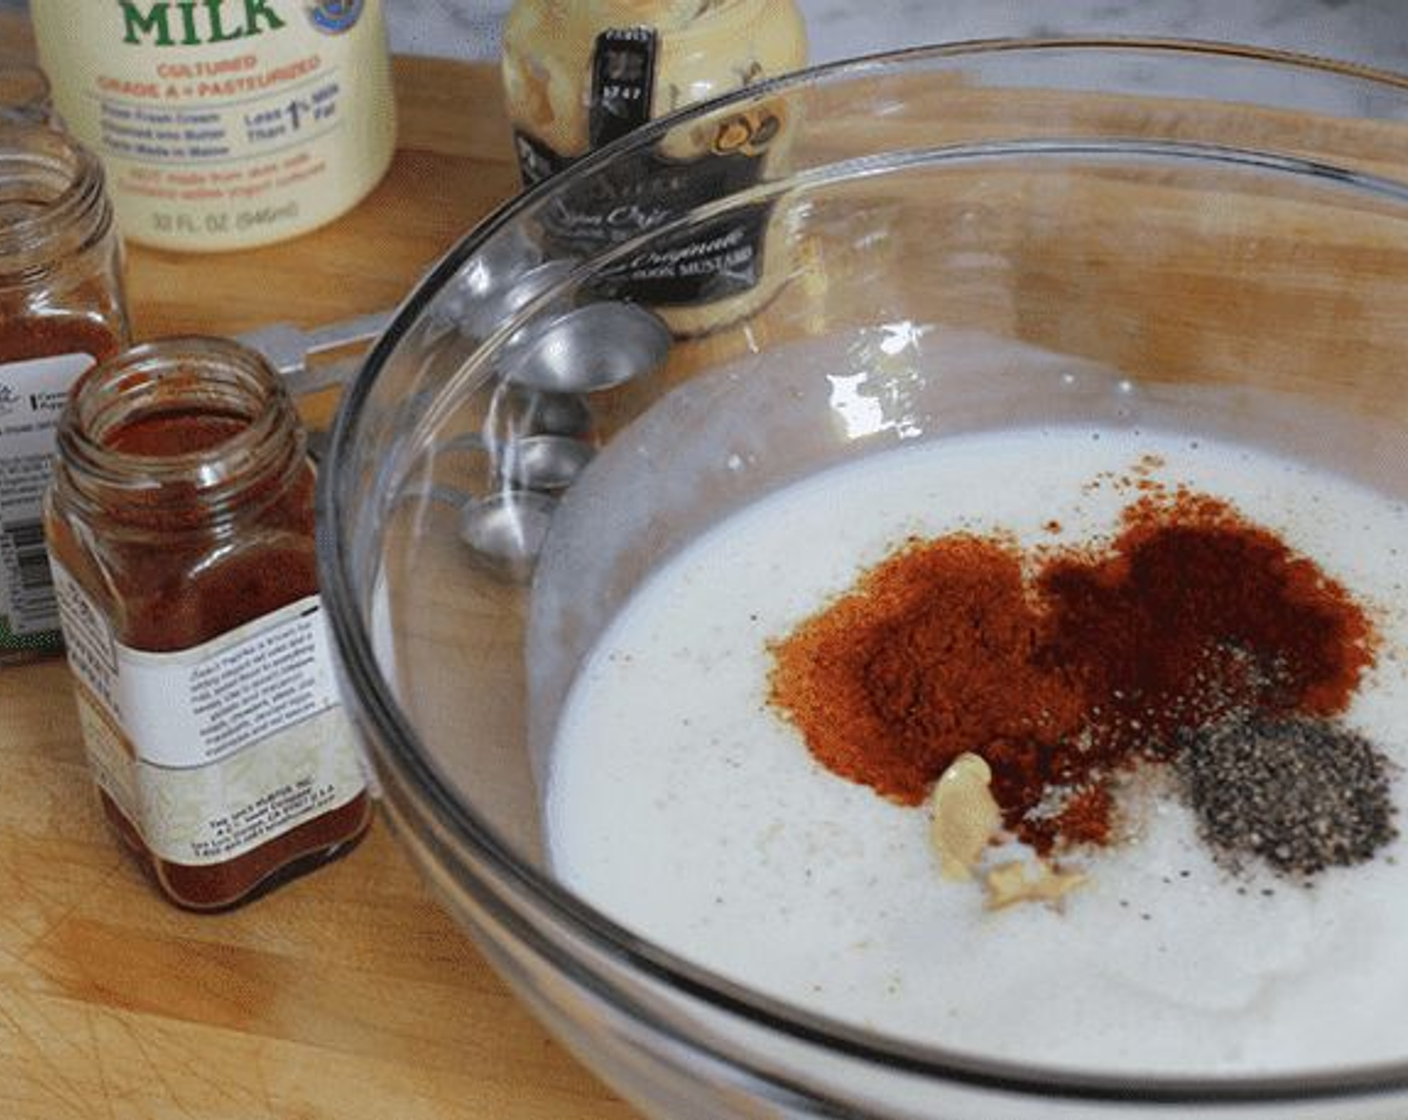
[[1369, 32]]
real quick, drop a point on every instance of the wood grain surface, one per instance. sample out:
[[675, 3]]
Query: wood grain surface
[[346, 994]]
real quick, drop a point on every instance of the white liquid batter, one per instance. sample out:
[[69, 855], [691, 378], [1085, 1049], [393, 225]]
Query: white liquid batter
[[685, 808]]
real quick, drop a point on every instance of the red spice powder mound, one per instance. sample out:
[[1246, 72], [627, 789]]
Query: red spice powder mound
[[1084, 817], [1066, 669], [936, 650]]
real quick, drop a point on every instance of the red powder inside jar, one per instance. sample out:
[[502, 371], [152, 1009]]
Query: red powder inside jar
[[175, 433], [199, 564]]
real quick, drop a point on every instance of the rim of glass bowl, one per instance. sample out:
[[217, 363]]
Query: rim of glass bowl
[[518, 895]]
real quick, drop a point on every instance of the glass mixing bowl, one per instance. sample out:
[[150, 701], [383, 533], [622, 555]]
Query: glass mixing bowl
[[894, 251]]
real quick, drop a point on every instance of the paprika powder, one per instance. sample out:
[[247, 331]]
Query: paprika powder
[[61, 309], [1067, 669], [180, 523]]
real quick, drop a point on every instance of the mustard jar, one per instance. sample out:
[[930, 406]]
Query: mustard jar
[[578, 75]]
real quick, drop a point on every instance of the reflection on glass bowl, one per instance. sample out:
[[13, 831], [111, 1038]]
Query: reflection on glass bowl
[[999, 277]]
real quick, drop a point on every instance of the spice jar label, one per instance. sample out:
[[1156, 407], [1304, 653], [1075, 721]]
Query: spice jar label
[[32, 397], [213, 750]]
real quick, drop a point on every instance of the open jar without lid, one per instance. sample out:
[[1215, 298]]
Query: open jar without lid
[[25, 94], [180, 524], [61, 309]]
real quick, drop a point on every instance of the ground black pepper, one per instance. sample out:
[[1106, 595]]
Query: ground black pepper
[[1301, 794]]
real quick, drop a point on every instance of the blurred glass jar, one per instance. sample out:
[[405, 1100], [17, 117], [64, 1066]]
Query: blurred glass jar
[[61, 309], [180, 522], [25, 95], [578, 75]]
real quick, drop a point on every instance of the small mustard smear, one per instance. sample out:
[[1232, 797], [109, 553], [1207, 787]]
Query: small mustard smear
[[965, 819], [964, 816], [1010, 883]]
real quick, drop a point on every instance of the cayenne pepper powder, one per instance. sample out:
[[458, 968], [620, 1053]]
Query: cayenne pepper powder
[[1065, 670], [61, 309], [181, 527], [24, 338]]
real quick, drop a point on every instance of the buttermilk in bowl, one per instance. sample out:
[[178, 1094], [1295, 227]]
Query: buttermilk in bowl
[[1098, 762]]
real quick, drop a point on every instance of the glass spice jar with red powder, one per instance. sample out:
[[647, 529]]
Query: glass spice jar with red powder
[[61, 309], [180, 527]]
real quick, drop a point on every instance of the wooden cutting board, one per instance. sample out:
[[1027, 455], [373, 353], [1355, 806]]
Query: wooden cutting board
[[346, 995]]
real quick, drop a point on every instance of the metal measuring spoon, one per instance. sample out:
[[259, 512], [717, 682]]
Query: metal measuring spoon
[[542, 462], [545, 463], [479, 311], [498, 261], [590, 348], [482, 279], [506, 530], [531, 412]]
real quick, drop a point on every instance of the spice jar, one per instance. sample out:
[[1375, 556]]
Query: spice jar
[[224, 124], [583, 73], [25, 94], [61, 308], [180, 526]]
